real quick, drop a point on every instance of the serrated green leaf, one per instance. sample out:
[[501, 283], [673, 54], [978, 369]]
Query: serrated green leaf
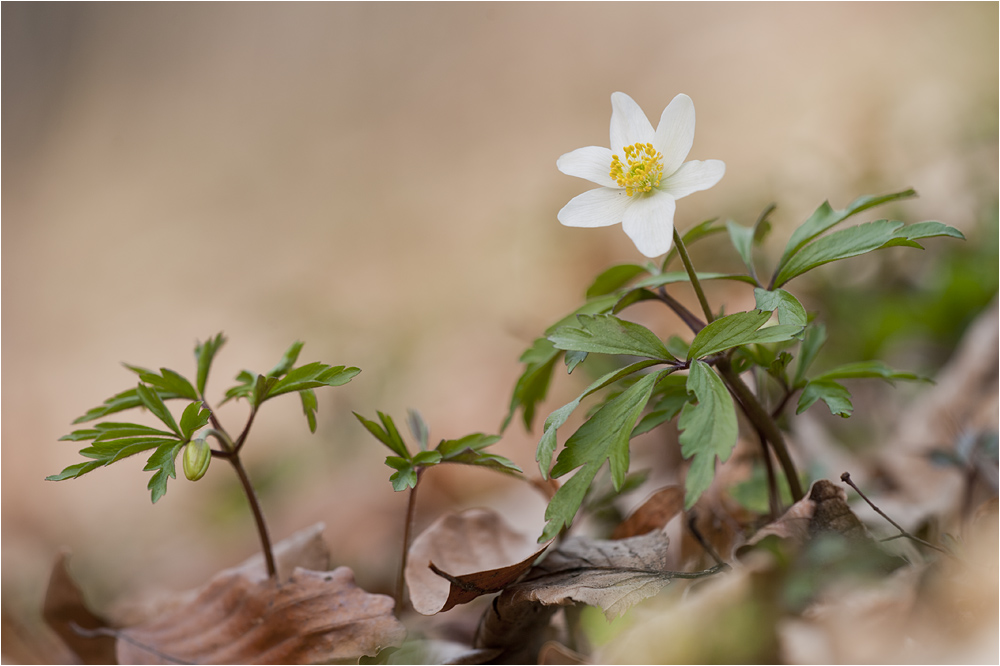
[[194, 418], [405, 475], [835, 395], [287, 360], [262, 388], [826, 217], [742, 328], [547, 444], [573, 359], [708, 429], [388, 434], [614, 279], [928, 229], [489, 460], [474, 442], [76, 470], [162, 462], [154, 404], [790, 311], [843, 244], [869, 369], [670, 397], [128, 399], [426, 458], [812, 340], [607, 334], [167, 381], [204, 353], [605, 436], [247, 381], [309, 407]]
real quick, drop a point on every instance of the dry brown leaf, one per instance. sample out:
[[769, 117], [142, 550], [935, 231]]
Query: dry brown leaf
[[553, 653], [653, 514], [462, 556], [64, 608], [313, 617]]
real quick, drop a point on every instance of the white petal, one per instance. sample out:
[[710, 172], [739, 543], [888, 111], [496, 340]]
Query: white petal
[[693, 176], [675, 133], [592, 163], [628, 123], [649, 222], [595, 208]]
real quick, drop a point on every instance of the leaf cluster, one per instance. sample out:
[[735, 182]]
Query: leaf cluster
[[644, 393], [111, 442], [468, 450]]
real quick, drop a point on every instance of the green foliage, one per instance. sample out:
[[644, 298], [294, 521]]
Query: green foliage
[[708, 429], [468, 450], [607, 334], [114, 441], [742, 328]]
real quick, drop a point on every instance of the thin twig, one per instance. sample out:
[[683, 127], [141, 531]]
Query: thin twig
[[692, 517], [695, 282], [407, 531], [846, 478], [688, 317], [258, 515], [122, 636]]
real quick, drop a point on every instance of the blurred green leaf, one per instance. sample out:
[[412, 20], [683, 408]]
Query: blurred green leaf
[[607, 334], [929, 229], [419, 428], [614, 279], [426, 458], [474, 442], [128, 399], [669, 399], [605, 436], [194, 418], [868, 369], [309, 407], [790, 311], [742, 328], [573, 359], [204, 353], [262, 389], [836, 397], [405, 475], [843, 244], [708, 429], [287, 360], [812, 340], [313, 375], [682, 276], [167, 381], [244, 389], [742, 239], [386, 433]]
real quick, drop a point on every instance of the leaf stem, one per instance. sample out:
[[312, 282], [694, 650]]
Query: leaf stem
[[764, 423], [685, 315], [411, 511], [258, 515], [682, 251]]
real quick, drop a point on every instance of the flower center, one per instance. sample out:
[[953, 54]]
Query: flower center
[[642, 170]]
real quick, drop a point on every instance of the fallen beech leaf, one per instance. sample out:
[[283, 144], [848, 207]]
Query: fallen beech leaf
[[313, 617], [465, 555], [553, 653], [653, 514], [64, 607], [611, 575]]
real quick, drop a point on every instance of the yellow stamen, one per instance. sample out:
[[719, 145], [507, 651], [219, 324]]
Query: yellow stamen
[[643, 171]]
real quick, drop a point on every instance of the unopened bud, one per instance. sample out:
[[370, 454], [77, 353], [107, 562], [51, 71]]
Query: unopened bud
[[197, 456]]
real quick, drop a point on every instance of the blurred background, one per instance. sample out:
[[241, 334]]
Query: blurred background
[[379, 181]]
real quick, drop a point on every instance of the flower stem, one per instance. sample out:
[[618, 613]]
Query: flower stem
[[258, 515], [763, 422], [411, 510], [682, 251]]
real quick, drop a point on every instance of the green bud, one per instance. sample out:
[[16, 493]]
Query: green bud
[[197, 456]]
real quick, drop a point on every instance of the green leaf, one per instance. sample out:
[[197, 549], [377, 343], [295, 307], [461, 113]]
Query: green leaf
[[790, 311], [605, 436], [708, 429], [742, 239], [287, 360], [872, 369], [405, 475], [843, 244], [162, 462], [682, 276], [449, 448], [112, 430], [167, 381], [386, 433], [826, 217], [547, 444], [489, 460], [670, 397], [742, 328], [120, 402], [469, 451], [309, 407], [204, 353], [695, 233], [312, 375], [261, 389], [426, 458], [836, 397], [607, 334], [247, 381], [812, 341], [573, 359], [928, 230], [614, 279], [194, 418], [154, 404]]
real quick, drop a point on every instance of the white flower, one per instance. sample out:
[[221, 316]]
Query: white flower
[[641, 176]]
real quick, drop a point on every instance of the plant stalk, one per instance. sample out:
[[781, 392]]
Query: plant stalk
[[695, 282], [763, 422], [258, 515], [411, 511]]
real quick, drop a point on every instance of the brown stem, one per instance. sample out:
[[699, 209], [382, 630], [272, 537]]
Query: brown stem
[[764, 423], [411, 511], [686, 315], [258, 515]]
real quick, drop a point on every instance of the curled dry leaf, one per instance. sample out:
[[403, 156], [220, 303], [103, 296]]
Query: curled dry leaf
[[653, 514], [462, 556], [64, 610], [313, 617]]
